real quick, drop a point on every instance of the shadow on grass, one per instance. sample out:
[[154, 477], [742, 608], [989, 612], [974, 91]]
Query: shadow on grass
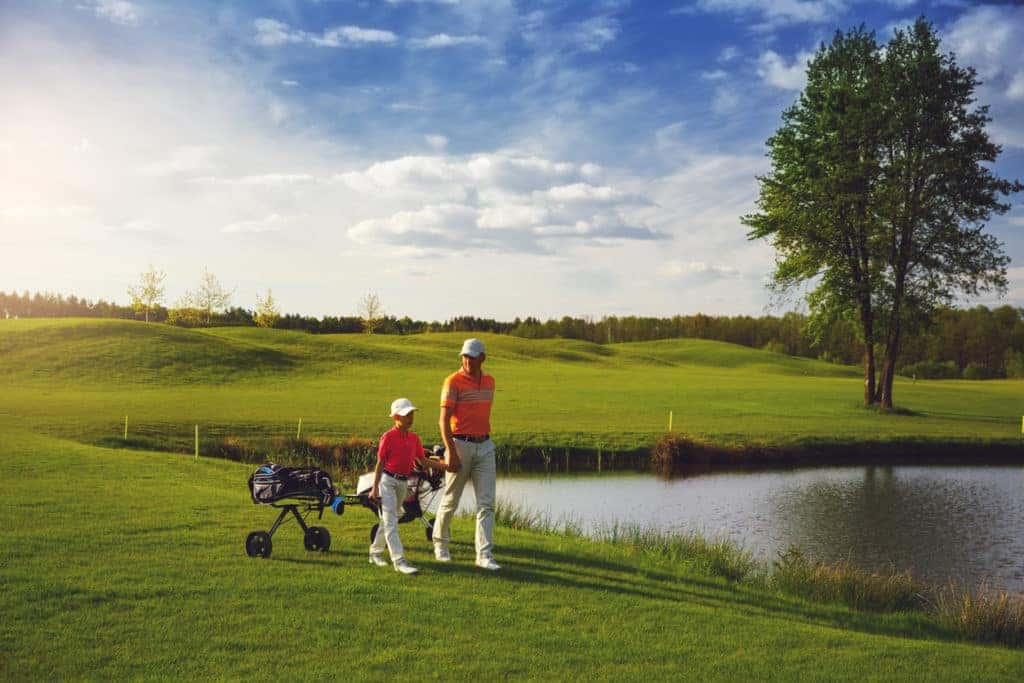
[[573, 572]]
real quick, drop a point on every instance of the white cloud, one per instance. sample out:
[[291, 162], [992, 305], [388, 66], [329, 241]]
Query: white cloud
[[715, 75], [436, 142], [442, 40], [272, 32], [593, 34], [775, 13], [728, 53], [773, 69], [498, 201], [700, 270], [272, 223], [118, 12]]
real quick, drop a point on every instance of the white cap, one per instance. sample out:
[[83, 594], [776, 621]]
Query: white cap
[[402, 406], [472, 348]]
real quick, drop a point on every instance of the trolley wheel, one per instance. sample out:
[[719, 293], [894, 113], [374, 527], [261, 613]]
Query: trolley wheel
[[317, 538], [257, 544], [373, 532], [429, 530]]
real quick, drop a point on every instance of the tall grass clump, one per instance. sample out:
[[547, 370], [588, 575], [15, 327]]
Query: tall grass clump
[[521, 518], [986, 615], [881, 591], [352, 455], [718, 557]]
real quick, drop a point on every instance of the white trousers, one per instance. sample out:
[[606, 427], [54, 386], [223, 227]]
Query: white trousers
[[392, 493], [478, 465]]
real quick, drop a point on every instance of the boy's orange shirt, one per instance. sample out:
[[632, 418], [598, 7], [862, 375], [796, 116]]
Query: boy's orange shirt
[[471, 402]]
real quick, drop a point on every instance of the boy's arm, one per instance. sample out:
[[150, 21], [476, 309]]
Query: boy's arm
[[378, 470]]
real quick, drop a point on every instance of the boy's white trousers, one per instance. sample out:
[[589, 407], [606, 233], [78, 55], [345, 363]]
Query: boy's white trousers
[[392, 493], [478, 465]]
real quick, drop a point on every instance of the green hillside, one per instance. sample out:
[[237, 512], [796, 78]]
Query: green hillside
[[79, 378]]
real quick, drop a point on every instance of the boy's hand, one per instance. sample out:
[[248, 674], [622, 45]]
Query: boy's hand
[[454, 464], [375, 494]]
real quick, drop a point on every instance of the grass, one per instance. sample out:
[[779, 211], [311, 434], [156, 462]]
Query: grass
[[123, 564], [78, 379]]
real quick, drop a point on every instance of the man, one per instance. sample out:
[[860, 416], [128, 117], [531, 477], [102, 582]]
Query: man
[[466, 399]]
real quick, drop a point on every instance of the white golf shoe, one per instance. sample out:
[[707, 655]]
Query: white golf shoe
[[403, 567], [441, 554], [488, 563], [378, 560]]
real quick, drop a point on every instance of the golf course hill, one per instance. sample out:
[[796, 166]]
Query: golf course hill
[[552, 393]]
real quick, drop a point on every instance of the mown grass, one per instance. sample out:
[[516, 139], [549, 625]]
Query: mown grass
[[123, 564], [79, 378]]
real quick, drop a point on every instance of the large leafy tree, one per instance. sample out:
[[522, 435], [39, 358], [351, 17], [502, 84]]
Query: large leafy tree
[[937, 190], [817, 202], [879, 190]]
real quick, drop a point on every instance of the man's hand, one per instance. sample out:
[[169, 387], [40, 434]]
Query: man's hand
[[452, 460], [375, 494]]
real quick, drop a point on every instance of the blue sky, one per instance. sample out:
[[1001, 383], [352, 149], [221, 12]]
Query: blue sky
[[453, 156]]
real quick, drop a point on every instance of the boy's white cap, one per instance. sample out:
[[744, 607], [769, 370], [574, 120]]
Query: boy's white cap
[[472, 348], [402, 406]]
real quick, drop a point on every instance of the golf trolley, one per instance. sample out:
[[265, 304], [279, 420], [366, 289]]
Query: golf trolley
[[292, 489], [423, 487]]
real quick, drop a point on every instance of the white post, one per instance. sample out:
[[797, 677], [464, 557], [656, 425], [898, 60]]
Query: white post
[[670, 421], [197, 443], [125, 427], [298, 432]]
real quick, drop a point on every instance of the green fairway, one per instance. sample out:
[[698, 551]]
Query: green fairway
[[119, 564], [79, 378]]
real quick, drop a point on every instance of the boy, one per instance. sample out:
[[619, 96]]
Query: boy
[[399, 451]]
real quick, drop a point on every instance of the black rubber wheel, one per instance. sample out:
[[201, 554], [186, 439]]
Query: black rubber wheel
[[373, 532], [318, 538], [258, 544], [429, 530]]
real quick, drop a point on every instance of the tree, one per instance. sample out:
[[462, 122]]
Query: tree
[[210, 296], [149, 292], [266, 310], [371, 312], [816, 202], [878, 193], [936, 193]]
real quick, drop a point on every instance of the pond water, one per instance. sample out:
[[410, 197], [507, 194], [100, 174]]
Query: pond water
[[942, 522]]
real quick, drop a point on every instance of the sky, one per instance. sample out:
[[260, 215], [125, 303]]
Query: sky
[[455, 157]]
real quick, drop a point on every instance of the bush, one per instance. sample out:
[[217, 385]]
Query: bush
[[1014, 363], [978, 371], [987, 615], [930, 369]]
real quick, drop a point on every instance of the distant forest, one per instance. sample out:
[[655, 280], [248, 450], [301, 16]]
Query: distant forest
[[975, 343]]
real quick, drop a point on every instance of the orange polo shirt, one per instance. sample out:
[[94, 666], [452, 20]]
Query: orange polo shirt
[[471, 403]]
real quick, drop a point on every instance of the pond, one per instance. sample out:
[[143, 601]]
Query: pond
[[942, 522]]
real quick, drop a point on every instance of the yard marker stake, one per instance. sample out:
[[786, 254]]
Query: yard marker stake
[[298, 433], [125, 427], [197, 443], [670, 421]]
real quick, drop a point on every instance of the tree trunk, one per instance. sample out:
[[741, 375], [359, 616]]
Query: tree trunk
[[867, 322]]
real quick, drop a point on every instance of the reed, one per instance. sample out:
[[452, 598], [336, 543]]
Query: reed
[[889, 590], [986, 615]]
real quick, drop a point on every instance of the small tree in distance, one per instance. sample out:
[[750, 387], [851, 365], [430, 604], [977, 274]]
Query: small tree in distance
[[149, 292], [371, 311], [267, 313], [210, 296]]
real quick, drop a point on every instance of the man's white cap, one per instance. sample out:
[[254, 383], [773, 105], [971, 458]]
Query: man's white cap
[[402, 406], [472, 348]]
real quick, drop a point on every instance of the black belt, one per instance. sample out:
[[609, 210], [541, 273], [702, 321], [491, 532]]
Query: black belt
[[399, 477], [471, 439]]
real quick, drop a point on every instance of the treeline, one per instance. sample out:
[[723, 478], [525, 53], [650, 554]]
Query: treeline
[[976, 343]]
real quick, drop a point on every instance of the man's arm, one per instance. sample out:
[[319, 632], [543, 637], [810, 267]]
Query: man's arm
[[451, 455]]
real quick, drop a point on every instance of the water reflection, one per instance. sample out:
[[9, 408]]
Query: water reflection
[[944, 522]]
